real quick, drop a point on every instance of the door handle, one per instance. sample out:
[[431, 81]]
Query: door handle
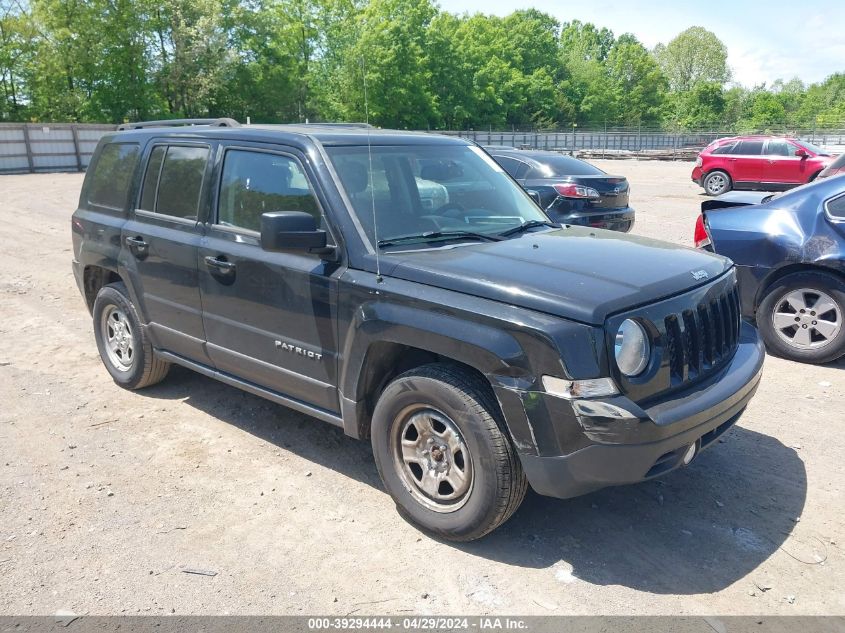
[[136, 242], [218, 264], [138, 246]]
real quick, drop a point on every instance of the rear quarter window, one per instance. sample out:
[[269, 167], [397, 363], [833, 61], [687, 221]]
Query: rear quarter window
[[836, 208], [515, 168], [112, 174], [556, 166], [727, 148]]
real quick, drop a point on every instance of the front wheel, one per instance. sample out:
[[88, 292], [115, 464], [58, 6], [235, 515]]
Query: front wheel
[[716, 183], [443, 455], [801, 317]]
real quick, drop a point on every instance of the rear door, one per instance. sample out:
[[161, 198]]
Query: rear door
[[160, 243], [782, 165], [746, 161], [269, 317]]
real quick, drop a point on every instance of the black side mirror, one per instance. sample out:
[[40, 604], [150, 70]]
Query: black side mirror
[[292, 230]]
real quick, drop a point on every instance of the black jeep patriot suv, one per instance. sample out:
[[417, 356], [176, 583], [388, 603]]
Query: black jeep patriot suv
[[403, 287]]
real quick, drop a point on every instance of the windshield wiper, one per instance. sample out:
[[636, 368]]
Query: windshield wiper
[[439, 235], [530, 224]]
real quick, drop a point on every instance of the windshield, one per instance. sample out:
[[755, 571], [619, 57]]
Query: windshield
[[426, 189], [814, 148]]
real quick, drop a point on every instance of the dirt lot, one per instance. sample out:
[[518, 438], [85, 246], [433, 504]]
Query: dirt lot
[[107, 496]]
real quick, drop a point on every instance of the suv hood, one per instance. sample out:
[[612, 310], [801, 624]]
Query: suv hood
[[576, 273]]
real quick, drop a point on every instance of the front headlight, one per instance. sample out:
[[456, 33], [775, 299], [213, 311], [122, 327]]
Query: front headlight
[[631, 348]]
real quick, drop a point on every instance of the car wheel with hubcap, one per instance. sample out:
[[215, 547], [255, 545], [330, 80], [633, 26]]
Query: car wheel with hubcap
[[801, 317], [716, 183], [443, 454], [123, 345]]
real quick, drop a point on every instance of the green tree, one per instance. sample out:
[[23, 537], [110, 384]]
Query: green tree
[[585, 41], [584, 92], [62, 73], [694, 56], [17, 45], [122, 87], [451, 73], [702, 106], [639, 86], [392, 46], [824, 103], [190, 54]]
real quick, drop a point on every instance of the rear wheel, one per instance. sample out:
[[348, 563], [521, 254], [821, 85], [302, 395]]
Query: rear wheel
[[123, 345], [801, 317], [443, 455], [716, 183]]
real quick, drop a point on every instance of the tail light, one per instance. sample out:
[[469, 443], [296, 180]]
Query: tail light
[[701, 237], [576, 191]]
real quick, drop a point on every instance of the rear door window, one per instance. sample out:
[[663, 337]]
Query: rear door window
[[112, 175], [750, 148], [173, 180]]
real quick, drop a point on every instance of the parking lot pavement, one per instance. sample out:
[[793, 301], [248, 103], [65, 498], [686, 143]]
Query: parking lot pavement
[[107, 496]]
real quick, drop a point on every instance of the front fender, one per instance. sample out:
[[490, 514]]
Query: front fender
[[493, 352], [511, 346]]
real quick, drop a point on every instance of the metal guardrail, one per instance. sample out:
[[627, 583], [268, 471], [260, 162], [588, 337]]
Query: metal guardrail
[[614, 142]]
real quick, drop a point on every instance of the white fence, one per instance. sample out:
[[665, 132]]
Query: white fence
[[44, 147]]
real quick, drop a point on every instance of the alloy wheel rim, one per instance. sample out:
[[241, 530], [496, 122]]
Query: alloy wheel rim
[[118, 339], [716, 183], [432, 459], [807, 319]]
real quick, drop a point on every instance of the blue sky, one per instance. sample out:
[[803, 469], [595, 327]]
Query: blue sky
[[765, 40]]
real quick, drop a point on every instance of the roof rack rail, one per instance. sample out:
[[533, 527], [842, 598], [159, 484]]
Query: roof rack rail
[[222, 122], [341, 125]]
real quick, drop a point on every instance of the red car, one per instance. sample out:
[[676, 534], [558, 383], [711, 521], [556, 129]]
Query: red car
[[757, 162]]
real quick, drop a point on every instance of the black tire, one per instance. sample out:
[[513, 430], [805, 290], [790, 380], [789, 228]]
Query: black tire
[[717, 182], [774, 302], [497, 483], [141, 368]]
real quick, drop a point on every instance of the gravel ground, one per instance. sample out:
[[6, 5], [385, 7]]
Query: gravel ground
[[108, 497]]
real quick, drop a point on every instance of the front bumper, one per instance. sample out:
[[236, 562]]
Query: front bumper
[[628, 444], [697, 176]]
